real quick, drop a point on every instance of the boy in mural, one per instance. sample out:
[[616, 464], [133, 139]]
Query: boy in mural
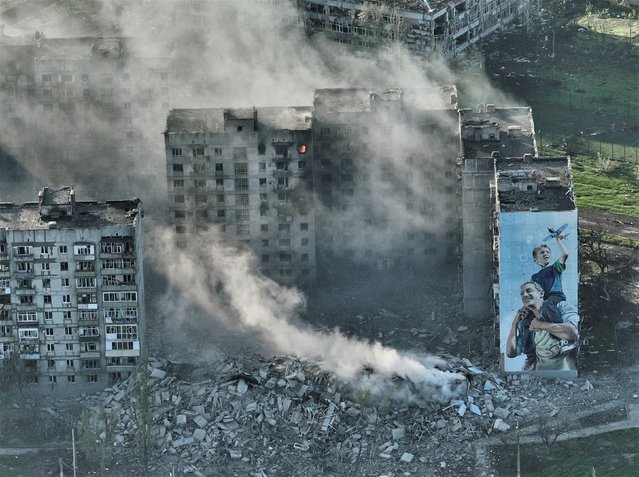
[[543, 331], [549, 277]]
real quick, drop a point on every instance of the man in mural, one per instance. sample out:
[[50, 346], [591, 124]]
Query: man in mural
[[544, 331]]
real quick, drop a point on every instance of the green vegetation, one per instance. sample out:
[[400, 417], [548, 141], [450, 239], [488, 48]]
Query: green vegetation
[[612, 454], [616, 190], [576, 65]]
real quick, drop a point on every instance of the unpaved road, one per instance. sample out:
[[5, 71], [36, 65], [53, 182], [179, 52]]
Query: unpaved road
[[613, 224]]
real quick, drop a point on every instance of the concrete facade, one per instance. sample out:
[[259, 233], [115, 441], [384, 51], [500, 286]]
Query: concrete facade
[[486, 135], [244, 177], [385, 177], [71, 291], [432, 29]]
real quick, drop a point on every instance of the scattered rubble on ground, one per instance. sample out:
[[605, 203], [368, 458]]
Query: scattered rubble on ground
[[286, 416]]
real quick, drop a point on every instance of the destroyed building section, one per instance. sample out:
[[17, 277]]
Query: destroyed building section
[[71, 291], [432, 29], [485, 135], [285, 416], [243, 177], [385, 178], [534, 184]]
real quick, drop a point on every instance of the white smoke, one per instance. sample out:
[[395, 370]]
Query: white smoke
[[225, 285]]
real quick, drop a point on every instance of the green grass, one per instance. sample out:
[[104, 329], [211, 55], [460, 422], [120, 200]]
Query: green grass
[[621, 27], [581, 83], [616, 191], [612, 454]]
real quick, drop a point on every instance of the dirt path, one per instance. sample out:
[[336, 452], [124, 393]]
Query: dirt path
[[614, 224]]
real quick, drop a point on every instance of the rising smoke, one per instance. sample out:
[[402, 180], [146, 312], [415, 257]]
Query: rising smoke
[[225, 285], [234, 53]]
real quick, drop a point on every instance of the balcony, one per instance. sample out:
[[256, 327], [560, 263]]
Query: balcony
[[87, 306]]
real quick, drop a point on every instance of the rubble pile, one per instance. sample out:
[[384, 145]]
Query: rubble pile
[[286, 416]]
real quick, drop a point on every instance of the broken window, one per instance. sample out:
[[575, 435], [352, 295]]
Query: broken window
[[199, 168], [241, 168], [180, 214], [179, 199], [198, 151], [264, 227], [242, 199], [261, 149], [265, 258], [181, 229], [47, 299], [199, 183], [262, 181], [304, 242], [282, 166], [243, 230], [219, 167], [221, 213], [64, 266], [281, 150], [301, 164], [217, 151], [304, 226], [178, 167], [241, 184], [242, 214], [219, 184], [263, 197], [285, 258], [119, 296], [239, 153]]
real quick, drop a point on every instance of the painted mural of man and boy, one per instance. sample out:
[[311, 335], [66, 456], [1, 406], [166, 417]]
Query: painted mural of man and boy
[[545, 328]]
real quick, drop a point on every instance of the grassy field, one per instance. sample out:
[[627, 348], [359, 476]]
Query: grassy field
[[613, 454], [578, 68], [616, 190]]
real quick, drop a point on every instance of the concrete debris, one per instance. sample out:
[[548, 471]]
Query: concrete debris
[[587, 386], [500, 425], [258, 414], [407, 457]]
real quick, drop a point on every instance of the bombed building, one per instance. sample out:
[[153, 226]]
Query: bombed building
[[70, 102], [432, 29], [358, 178], [486, 135], [385, 177], [71, 290], [244, 177]]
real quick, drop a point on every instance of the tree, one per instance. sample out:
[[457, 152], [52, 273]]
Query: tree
[[140, 401], [96, 437], [594, 249]]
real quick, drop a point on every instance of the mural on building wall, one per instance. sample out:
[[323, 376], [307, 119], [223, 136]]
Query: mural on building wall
[[538, 281]]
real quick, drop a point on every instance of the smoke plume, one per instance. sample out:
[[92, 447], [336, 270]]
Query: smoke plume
[[224, 284]]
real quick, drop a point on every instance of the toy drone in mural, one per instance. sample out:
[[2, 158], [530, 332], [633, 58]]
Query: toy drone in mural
[[556, 232]]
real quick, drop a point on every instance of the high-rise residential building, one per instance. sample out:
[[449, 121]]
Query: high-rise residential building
[[386, 177], [244, 177], [486, 134], [364, 177], [69, 102], [71, 291]]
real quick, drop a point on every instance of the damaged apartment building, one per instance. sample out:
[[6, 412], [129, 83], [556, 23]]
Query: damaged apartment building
[[67, 103], [243, 176], [485, 135], [71, 291], [431, 29], [361, 178]]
